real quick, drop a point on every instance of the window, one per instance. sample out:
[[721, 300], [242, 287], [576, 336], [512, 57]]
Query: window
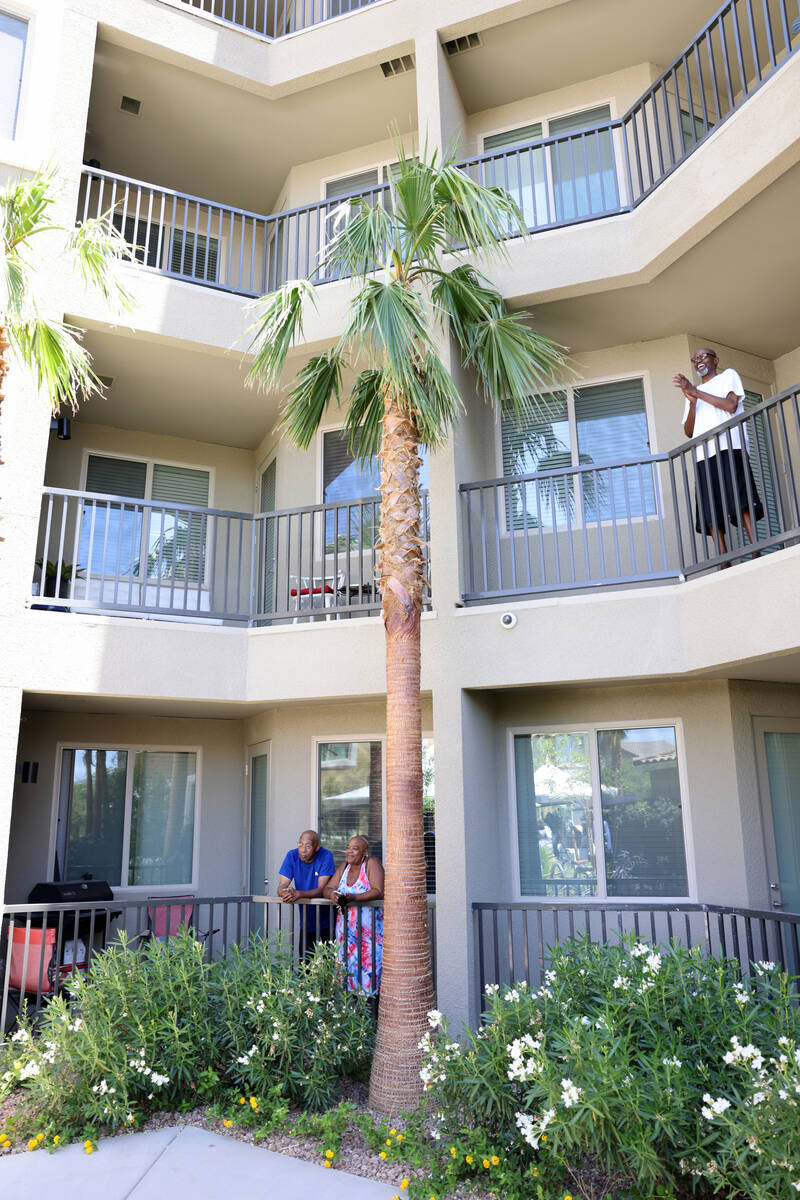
[[350, 794], [194, 255], [599, 813], [127, 816], [345, 479], [575, 178], [165, 541], [595, 425], [13, 36], [762, 462]]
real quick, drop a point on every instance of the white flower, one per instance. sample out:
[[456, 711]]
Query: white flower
[[672, 1062], [512, 995], [569, 1093], [491, 988], [585, 1021], [653, 963], [713, 1108], [763, 967], [621, 982], [796, 1185], [21, 1035], [435, 1018], [31, 1068], [639, 949]]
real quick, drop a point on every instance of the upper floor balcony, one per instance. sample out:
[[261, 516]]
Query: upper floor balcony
[[566, 171], [273, 19], [606, 521]]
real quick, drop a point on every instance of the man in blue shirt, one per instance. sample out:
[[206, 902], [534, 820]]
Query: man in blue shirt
[[303, 875]]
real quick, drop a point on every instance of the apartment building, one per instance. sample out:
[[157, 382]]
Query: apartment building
[[192, 646]]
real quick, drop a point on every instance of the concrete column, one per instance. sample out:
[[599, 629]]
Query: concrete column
[[441, 116], [10, 706]]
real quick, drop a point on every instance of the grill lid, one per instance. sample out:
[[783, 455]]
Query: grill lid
[[87, 891]]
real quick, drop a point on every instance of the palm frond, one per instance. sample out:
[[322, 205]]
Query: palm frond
[[317, 383], [361, 243], [464, 297], [99, 250], [278, 324], [24, 209], [475, 217], [365, 414], [60, 363], [392, 319], [513, 362], [434, 400]]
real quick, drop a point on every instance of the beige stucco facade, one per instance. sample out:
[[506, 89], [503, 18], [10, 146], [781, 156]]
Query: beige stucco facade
[[264, 126]]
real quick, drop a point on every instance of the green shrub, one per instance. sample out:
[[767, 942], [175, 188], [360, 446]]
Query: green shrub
[[160, 1028], [295, 1027], [614, 1061]]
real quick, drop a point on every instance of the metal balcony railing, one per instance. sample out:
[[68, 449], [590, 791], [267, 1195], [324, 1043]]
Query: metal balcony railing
[[632, 521], [611, 168], [275, 18], [100, 552], [513, 940], [42, 944]]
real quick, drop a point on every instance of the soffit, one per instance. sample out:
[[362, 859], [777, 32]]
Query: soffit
[[197, 135]]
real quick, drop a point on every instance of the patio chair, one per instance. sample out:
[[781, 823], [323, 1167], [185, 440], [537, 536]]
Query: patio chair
[[167, 915], [303, 589]]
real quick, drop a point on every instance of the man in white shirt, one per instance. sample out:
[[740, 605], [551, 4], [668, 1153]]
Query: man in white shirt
[[725, 484]]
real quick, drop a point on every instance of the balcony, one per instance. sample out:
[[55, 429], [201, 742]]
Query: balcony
[[630, 522], [273, 19], [102, 553]]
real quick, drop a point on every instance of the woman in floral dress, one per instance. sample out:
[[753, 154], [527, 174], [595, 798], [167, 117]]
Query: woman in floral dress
[[359, 879]]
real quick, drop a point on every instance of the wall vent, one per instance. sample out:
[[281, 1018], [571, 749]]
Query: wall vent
[[129, 105], [458, 45], [398, 66]]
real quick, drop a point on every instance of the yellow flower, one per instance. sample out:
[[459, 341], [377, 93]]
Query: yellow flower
[[227, 1122], [56, 1139], [403, 1184], [453, 1151], [327, 1163], [534, 1171], [568, 1197], [486, 1163], [544, 1137], [495, 1160], [242, 1100], [392, 1132], [40, 1137], [383, 1154], [88, 1147], [32, 1144], [329, 1154], [254, 1103], [468, 1158], [388, 1141]]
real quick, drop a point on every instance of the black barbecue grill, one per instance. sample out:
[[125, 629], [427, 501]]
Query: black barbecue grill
[[77, 892]]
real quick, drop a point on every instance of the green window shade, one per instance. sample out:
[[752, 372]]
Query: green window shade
[[116, 476], [762, 467], [13, 36], [542, 445], [512, 137], [348, 185], [584, 174], [194, 255], [176, 541], [612, 427]]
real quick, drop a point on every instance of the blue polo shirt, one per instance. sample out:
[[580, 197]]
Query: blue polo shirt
[[305, 877]]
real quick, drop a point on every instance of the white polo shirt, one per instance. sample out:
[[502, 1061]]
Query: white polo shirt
[[707, 417]]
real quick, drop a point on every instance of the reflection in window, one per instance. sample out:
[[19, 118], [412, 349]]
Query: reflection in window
[[13, 36], [162, 817], [635, 825], [92, 814], [353, 486]]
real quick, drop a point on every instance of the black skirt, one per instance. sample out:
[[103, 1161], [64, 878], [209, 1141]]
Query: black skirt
[[725, 488]]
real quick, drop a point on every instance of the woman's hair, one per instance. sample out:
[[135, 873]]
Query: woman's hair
[[357, 837]]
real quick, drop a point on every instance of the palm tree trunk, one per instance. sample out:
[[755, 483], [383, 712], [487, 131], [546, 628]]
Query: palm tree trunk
[[407, 981]]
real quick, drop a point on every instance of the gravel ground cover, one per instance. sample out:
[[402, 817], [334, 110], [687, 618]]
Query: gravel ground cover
[[354, 1156]]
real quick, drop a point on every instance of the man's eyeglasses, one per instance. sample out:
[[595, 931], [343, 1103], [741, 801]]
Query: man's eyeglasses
[[699, 358]]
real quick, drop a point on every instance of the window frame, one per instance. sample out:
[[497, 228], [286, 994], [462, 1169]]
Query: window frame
[[545, 120], [29, 17], [569, 389], [131, 749], [591, 729], [320, 739]]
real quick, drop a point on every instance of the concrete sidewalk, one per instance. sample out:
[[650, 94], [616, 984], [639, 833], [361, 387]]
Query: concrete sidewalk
[[170, 1163]]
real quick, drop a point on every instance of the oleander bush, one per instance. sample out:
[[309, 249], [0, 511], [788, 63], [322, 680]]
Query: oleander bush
[[158, 1027], [653, 1067]]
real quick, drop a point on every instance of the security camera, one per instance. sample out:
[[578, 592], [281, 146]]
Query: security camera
[[508, 620]]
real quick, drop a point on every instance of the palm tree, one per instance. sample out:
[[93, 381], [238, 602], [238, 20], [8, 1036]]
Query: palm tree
[[51, 349], [409, 258]]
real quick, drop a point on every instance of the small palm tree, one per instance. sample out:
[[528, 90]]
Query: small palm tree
[[51, 349], [409, 259]]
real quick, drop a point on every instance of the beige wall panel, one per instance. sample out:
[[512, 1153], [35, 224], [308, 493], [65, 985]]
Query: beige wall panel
[[787, 370], [220, 796]]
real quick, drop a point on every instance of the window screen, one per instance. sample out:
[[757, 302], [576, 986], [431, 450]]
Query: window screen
[[584, 173], [543, 445], [13, 36], [612, 427]]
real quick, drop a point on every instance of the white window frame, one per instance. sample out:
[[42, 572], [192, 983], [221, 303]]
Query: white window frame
[[318, 740], [591, 729], [570, 389], [29, 16], [150, 464], [131, 748]]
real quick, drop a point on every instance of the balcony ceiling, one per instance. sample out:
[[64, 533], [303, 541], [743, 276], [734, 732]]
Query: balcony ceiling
[[172, 390], [222, 143], [571, 42], [740, 286]]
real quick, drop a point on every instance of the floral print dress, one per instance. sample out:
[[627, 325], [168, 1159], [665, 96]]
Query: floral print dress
[[362, 956]]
